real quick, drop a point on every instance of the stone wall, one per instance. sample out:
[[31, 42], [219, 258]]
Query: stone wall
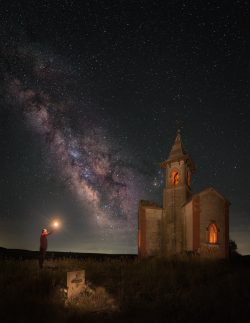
[[188, 225], [177, 228], [212, 210], [149, 231], [174, 198], [205, 208]]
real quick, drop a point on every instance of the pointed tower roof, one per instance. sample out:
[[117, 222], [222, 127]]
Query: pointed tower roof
[[178, 153], [177, 150]]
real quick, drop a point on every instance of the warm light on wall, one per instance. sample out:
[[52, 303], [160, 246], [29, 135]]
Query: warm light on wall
[[212, 233], [174, 177]]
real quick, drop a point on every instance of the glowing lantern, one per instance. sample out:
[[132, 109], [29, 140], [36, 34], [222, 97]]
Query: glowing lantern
[[56, 224]]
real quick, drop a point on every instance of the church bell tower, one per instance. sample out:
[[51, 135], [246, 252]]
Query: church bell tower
[[179, 169]]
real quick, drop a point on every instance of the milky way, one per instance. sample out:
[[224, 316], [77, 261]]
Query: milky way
[[101, 87], [96, 170]]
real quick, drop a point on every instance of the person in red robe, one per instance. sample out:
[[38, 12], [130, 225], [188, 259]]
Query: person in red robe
[[43, 246]]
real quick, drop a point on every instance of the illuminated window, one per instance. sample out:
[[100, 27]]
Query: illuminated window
[[212, 233], [175, 177]]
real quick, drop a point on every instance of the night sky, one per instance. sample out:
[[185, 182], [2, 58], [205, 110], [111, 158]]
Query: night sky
[[92, 95]]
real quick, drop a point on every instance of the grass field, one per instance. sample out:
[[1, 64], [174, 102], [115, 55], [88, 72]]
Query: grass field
[[126, 290]]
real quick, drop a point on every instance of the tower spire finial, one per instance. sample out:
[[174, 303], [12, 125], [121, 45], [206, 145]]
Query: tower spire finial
[[178, 153]]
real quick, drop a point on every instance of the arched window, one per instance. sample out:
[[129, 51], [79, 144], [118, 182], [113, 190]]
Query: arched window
[[212, 233], [175, 177]]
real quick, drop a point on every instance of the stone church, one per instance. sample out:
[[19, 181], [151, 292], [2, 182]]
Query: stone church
[[186, 223]]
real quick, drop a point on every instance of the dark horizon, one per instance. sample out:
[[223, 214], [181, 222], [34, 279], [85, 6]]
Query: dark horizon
[[51, 253]]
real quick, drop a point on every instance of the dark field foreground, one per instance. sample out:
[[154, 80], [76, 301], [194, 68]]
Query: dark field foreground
[[126, 290]]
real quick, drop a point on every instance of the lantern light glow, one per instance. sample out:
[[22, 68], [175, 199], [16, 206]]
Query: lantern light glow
[[55, 224]]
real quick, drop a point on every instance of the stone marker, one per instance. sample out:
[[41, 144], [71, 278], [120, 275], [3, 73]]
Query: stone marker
[[75, 283]]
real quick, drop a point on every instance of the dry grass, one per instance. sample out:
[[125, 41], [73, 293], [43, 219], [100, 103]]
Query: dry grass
[[154, 290]]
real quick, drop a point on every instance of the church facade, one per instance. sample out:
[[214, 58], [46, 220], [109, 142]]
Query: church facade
[[186, 222]]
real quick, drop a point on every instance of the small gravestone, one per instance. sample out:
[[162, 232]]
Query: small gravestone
[[75, 283]]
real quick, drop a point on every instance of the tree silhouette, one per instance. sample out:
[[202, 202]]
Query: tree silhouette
[[233, 249]]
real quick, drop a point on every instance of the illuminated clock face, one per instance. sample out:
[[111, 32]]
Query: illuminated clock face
[[174, 177]]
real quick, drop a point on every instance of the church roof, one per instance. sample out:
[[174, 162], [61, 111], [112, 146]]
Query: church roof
[[178, 153], [206, 191]]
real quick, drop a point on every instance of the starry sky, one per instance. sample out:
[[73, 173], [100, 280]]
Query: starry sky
[[92, 95]]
